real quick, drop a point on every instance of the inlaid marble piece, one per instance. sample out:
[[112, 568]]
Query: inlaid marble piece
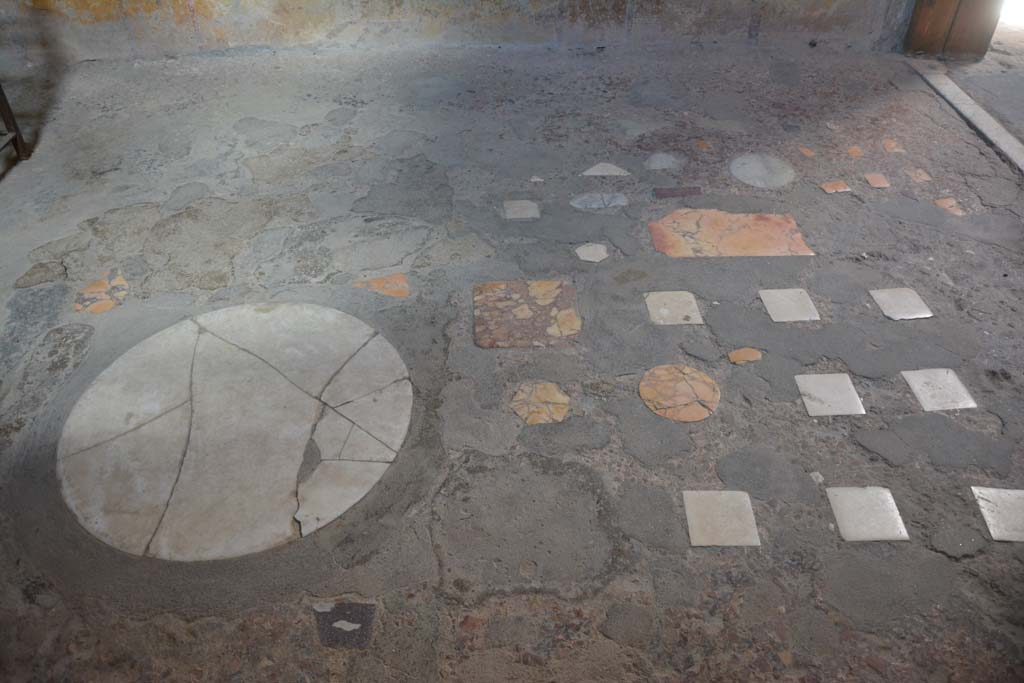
[[686, 233], [524, 314], [679, 393]]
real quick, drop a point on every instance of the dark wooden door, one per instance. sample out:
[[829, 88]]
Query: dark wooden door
[[961, 29]]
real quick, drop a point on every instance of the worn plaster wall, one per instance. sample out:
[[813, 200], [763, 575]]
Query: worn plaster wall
[[99, 29]]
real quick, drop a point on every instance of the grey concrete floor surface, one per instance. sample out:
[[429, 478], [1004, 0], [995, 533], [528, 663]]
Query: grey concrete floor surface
[[997, 81], [491, 550]]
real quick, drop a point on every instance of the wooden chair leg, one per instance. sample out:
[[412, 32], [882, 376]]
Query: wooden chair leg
[[7, 115]]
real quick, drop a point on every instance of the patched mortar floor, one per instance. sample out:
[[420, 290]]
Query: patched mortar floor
[[194, 445], [622, 468]]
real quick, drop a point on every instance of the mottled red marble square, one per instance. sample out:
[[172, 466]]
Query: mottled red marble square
[[524, 314]]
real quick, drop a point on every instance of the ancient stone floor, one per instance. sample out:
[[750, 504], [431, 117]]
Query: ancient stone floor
[[492, 364]]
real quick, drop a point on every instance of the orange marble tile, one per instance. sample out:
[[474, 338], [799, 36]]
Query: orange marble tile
[[855, 152], [951, 205], [396, 285], [744, 355], [679, 393], [540, 403], [524, 314], [877, 180], [703, 145], [102, 295], [807, 151], [835, 186], [686, 233]]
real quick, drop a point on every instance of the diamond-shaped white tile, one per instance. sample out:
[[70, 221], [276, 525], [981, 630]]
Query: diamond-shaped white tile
[[938, 389], [521, 210], [1003, 510], [720, 518], [866, 513], [592, 252], [901, 303], [673, 308], [789, 305], [605, 169], [829, 394]]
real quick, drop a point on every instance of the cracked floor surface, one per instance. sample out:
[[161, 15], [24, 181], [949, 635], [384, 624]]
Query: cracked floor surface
[[492, 549]]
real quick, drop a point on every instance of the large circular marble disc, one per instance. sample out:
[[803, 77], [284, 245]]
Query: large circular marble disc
[[234, 431]]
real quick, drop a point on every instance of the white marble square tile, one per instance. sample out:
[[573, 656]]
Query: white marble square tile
[[939, 389], [866, 513], [829, 394], [1003, 510], [521, 210], [592, 252], [901, 303], [720, 518], [673, 308], [789, 305]]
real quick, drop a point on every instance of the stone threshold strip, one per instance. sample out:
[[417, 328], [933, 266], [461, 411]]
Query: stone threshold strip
[[234, 431], [862, 513]]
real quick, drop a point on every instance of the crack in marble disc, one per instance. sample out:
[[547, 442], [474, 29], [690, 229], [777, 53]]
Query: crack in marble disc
[[196, 444]]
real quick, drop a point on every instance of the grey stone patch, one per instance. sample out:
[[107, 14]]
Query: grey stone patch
[[957, 541], [767, 475], [675, 584], [631, 625], [184, 195], [599, 201], [41, 273], [649, 515], [262, 134], [778, 372], [845, 283], [651, 439], [946, 444], [658, 95], [58, 249], [886, 444], [47, 367], [784, 72], [813, 632], [176, 149], [495, 516], [30, 312], [345, 625], [874, 587], [997, 229], [762, 171], [749, 386], [634, 129], [465, 425], [340, 116], [700, 344], [575, 434], [418, 188]]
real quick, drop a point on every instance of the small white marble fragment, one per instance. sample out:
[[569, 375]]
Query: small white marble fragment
[[592, 252], [789, 305], [901, 303], [1003, 510], [673, 308], [938, 389], [866, 513], [720, 518], [521, 210], [829, 394], [605, 169], [599, 201]]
